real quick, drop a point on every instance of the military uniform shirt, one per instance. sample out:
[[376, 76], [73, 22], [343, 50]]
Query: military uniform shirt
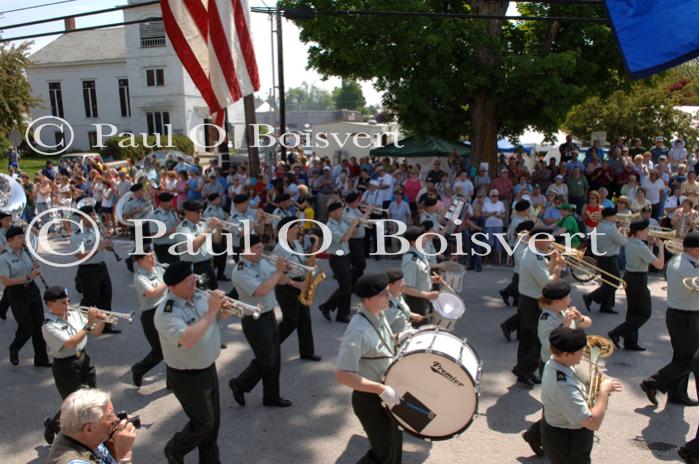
[[133, 204], [398, 314], [611, 242], [416, 270], [434, 217], [548, 321], [295, 257], [13, 264], [57, 331], [518, 254], [144, 280], [3, 239], [88, 239], [638, 255], [172, 318], [430, 252], [247, 276], [282, 213], [169, 218], [514, 222], [533, 274], [678, 296], [217, 212], [563, 396], [193, 230], [350, 215], [237, 217], [362, 351], [338, 230]]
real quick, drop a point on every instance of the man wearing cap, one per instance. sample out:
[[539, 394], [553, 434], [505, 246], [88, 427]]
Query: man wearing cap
[[569, 424], [295, 315], [150, 292], [5, 223], [165, 214], [683, 326], [559, 187], [66, 334], [200, 235], [609, 243], [659, 149], [520, 215], [134, 207], [340, 263], [417, 275], [638, 299], [398, 314], [283, 208], [367, 349], [239, 212], [92, 279], [255, 278], [214, 210], [191, 342], [356, 243], [519, 244]]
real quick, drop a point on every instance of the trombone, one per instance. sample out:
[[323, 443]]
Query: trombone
[[691, 283], [113, 317], [575, 259], [237, 307], [672, 242], [296, 267]]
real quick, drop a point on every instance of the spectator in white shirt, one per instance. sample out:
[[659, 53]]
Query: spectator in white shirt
[[678, 154], [654, 187], [494, 213], [559, 188], [465, 184], [385, 185]]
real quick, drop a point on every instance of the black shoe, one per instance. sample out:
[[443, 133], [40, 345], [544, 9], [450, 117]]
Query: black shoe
[[278, 403], [504, 297], [170, 458], [683, 401], [614, 339], [137, 377], [506, 332], [686, 457], [536, 447], [650, 391], [42, 364], [609, 311], [312, 357], [344, 319], [49, 430], [238, 395], [108, 329], [525, 381], [223, 278], [14, 358], [326, 312], [587, 299], [634, 348]]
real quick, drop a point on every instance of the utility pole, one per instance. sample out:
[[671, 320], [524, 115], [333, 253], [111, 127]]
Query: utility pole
[[282, 99]]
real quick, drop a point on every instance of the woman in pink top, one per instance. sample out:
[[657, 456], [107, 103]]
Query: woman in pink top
[[411, 188], [182, 179]]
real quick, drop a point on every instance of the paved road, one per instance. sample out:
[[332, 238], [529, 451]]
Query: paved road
[[320, 427]]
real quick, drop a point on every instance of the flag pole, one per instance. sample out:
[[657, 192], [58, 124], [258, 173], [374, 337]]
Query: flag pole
[[250, 121]]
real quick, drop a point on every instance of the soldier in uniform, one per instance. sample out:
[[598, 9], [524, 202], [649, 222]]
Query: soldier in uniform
[[398, 314], [340, 263], [214, 210], [682, 321], [430, 213], [534, 273], [356, 243], [366, 351], [150, 292], [191, 342], [5, 223], [200, 233], [134, 207], [92, 278], [283, 208], [609, 243], [240, 212], [638, 300], [17, 274], [416, 274], [512, 290], [295, 315], [167, 215], [66, 334], [255, 280], [568, 425]]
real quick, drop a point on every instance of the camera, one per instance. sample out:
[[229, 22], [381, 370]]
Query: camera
[[135, 420]]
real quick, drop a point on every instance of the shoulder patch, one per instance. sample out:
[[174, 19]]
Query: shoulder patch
[[168, 306], [561, 376], [544, 316]]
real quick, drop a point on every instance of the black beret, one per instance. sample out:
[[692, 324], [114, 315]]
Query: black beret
[[427, 225], [430, 202], [240, 198], [286, 220], [691, 240], [14, 231], [639, 224], [282, 197], [212, 196], [87, 209], [177, 272], [351, 197], [138, 256], [371, 284], [609, 211], [556, 290], [4, 215], [255, 239], [412, 233], [136, 187], [394, 275], [522, 205], [165, 196], [192, 205], [334, 206], [54, 293], [524, 225], [568, 340]]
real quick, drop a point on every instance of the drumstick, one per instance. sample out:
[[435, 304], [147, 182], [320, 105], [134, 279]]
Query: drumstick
[[444, 282]]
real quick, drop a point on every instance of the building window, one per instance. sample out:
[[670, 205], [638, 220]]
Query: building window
[[92, 137], [152, 34], [124, 98], [56, 97], [90, 99], [155, 77], [157, 121]]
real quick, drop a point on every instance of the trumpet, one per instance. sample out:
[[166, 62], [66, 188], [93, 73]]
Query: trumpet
[[236, 227], [237, 307], [264, 215], [691, 283], [113, 317], [373, 208], [576, 259], [297, 268]]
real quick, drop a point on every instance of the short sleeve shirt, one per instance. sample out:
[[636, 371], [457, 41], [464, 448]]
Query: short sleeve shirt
[[563, 396], [169, 219], [57, 331], [398, 314], [533, 274], [143, 281], [416, 270], [338, 230], [189, 229], [248, 276], [85, 241], [367, 347], [638, 256]]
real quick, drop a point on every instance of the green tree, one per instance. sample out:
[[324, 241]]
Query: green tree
[[349, 96], [475, 78], [308, 97], [15, 92]]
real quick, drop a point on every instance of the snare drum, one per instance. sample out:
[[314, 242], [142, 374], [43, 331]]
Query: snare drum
[[447, 310], [438, 378]]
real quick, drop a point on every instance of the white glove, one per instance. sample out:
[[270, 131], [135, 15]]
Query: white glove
[[390, 397], [402, 336]]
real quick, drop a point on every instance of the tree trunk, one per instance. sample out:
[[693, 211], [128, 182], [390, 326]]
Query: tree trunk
[[484, 124]]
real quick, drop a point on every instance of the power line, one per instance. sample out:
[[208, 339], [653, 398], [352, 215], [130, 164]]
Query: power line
[[80, 29], [36, 6]]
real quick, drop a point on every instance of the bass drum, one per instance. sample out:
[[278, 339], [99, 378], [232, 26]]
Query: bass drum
[[438, 377]]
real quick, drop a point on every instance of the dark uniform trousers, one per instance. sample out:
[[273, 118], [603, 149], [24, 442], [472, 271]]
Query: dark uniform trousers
[[638, 307], [92, 280], [342, 296], [385, 438], [357, 257], [156, 353], [683, 327], [604, 295], [4, 305], [295, 316], [28, 311], [512, 290], [220, 260], [70, 374], [161, 251], [692, 446], [566, 446], [197, 392], [529, 348], [263, 336], [207, 269]]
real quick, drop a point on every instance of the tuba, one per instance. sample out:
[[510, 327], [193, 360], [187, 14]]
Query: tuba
[[597, 348], [142, 213], [13, 199], [313, 278]]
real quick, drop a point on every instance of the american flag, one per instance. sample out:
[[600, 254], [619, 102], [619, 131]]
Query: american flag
[[213, 41]]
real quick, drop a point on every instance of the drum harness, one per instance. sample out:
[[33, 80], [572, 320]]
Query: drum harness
[[383, 340]]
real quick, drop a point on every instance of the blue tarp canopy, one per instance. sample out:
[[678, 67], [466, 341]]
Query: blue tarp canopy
[[655, 34]]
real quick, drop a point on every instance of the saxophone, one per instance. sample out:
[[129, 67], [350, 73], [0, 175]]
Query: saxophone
[[598, 347], [313, 279]]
